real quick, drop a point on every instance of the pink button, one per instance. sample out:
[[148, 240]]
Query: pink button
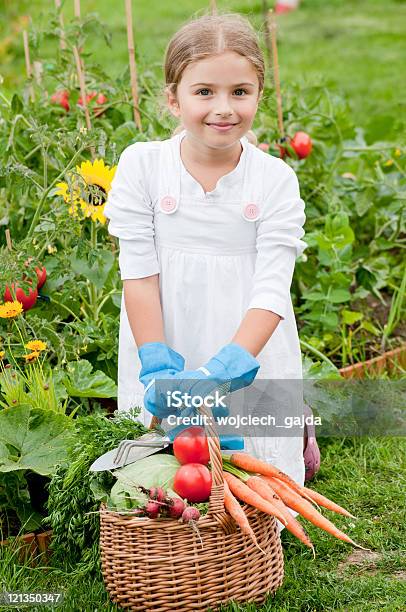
[[251, 212], [168, 204]]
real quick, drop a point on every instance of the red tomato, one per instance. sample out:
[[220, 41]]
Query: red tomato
[[99, 98], [61, 97], [190, 446], [41, 275], [302, 144], [193, 482], [27, 299]]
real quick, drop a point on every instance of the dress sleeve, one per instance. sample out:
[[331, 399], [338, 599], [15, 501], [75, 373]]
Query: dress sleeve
[[279, 243], [131, 217]]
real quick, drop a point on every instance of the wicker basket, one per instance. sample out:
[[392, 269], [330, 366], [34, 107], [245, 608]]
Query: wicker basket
[[161, 565]]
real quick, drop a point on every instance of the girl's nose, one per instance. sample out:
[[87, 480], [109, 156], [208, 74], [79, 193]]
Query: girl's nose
[[223, 107]]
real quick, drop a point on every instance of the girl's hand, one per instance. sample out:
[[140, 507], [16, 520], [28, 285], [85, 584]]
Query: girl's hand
[[158, 361], [232, 364]]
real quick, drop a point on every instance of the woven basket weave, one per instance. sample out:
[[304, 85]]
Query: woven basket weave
[[161, 565]]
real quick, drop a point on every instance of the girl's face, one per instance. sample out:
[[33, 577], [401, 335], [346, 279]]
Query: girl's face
[[220, 89]]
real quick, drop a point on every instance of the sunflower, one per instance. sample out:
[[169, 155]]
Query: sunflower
[[10, 310], [88, 189], [31, 356], [36, 345]]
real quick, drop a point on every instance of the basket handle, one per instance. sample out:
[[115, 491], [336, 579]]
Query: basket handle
[[216, 499]]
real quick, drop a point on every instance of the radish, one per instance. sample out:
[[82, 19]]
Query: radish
[[152, 509], [190, 514], [176, 508], [157, 493]]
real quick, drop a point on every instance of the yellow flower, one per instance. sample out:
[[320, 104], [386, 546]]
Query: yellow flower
[[31, 356], [10, 310], [398, 152], [89, 189], [2, 355], [389, 162], [36, 345]]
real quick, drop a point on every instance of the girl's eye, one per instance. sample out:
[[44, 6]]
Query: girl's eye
[[206, 89]]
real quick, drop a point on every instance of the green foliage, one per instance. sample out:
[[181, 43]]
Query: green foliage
[[74, 492], [31, 441], [80, 381]]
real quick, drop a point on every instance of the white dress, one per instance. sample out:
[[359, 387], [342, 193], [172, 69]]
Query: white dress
[[217, 255]]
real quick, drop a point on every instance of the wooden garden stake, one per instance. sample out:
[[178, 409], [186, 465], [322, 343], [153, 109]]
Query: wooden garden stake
[[28, 63], [8, 240], [62, 41], [275, 64], [82, 85], [267, 32], [77, 8], [213, 7], [38, 70], [133, 67]]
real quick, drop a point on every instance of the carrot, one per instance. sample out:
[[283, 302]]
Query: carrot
[[238, 514], [244, 493], [296, 502], [327, 503], [252, 464], [264, 489]]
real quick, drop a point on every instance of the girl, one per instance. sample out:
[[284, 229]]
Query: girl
[[209, 228]]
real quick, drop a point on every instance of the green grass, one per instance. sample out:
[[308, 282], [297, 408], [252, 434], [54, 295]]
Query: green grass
[[368, 476], [357, 46]]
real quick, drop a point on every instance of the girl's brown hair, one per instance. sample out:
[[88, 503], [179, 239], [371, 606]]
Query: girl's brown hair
[[207, 36]]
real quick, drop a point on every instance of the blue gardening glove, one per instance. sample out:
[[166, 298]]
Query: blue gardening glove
[[158, 360], [232, 363]]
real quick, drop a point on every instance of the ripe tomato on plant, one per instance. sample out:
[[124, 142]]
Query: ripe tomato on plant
[[193, 482], [97, 98], [302, 144], [28, 300], [190, 446], [61, 98], [41, 276]]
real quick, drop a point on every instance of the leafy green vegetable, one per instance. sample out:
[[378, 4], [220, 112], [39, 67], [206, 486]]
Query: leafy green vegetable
[[154, 471], [33, 439], [80, 381], [125, 497]]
